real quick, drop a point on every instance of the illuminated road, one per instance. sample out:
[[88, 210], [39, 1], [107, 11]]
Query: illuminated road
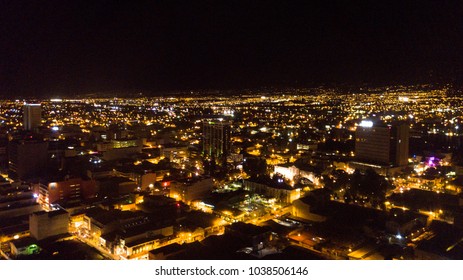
[[105, 253]]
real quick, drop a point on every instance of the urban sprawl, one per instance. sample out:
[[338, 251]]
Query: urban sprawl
[[319, 173]]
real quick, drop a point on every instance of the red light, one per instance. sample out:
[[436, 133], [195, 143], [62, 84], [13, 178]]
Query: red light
[[178, 204]]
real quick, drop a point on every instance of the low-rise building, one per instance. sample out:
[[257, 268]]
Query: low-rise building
[[166, 252], [254, 236], [24, 246], [304, 208], [46, 224], [190, 189], [282, 192], [138, 241], [99, 222], [291, 172], [12, 231], [196, 226], [174, 152], [116, 186]]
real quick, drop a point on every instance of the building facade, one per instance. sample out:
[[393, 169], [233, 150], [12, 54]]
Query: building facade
[[189, 190], [46, 224], [386, 145], [67, 190], [216, 139], [32, 116], [27, 158]]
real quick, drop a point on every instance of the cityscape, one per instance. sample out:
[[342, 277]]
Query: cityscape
[[231, 130], [317, 173]]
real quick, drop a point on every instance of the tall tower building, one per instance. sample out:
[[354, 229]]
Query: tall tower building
[[216, 139], [386, 145], [399, 144], [32, 117]]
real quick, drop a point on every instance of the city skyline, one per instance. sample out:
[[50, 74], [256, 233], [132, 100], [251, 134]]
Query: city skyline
[[231, 130], [62, 49], [297, 174]]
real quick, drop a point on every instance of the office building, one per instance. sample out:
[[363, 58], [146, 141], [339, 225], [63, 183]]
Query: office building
[[32, 116], [382, 144], [63, 191], [27, 158], [216, 139]]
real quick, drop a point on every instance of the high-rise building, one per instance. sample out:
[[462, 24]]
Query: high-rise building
[[400, 144], [216, 139], [382, 144], [32, 117], [27, 158]]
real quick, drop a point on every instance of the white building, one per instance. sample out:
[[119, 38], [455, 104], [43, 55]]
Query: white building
[[291, 172]]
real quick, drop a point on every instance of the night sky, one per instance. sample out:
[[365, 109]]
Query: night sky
[[51, 48]]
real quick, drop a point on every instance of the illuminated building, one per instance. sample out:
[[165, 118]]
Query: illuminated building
[[387, 145], [126, 143], [174, 152], [24, 246], [67, 190], [216, 139], [117, 149], [32, 116], [191, 189], [16, 200], [282, 192], [135, 242]]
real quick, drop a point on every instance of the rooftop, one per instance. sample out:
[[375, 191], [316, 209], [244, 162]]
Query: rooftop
[[248, 229], [143, 240], [272, 183], [169, 249], [24, 242], [51, 214]]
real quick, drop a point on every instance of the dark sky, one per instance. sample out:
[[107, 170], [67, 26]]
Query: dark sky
[[61, 47]]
